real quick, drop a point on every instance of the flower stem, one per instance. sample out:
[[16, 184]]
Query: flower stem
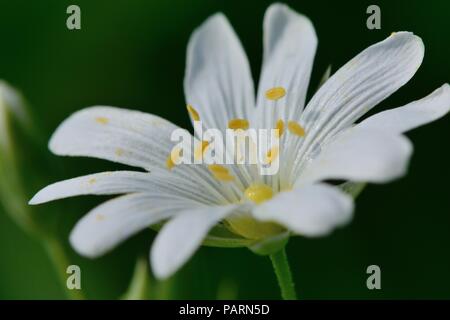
[[283, 273], [139, 286]]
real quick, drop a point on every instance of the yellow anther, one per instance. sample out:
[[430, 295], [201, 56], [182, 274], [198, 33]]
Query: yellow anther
[[275, 93], [200, 149], [258, 193], [223, 176], [272, 154], [193, 113], [296, 129], [280, 127], [92, 181], [169, 163], [173, 158], [238, 124], [220, 172], [102, 120], [217, 168]]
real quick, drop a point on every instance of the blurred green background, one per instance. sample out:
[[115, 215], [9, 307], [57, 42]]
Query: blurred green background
[[132, 54]]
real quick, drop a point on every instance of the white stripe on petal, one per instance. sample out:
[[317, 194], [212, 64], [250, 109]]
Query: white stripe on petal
[[218, 81], [116, 220], [290, 44], [129, 137], [181, 236], [364, 81], [104, 183], [313, 210], [357, 87], [119, 182], [362, 155], [412, 115]]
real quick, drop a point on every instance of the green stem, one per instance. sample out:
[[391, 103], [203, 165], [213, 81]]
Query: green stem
[[60, 262], [139, 286], [283, 273], [13, 196]]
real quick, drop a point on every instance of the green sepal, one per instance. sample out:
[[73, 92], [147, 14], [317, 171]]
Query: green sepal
[[270, 245], [353, 188], [219, 237]]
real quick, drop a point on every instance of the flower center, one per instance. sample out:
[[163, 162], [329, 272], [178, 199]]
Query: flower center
[[258, 193]]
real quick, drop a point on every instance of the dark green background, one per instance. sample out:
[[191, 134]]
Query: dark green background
[[132, 54]]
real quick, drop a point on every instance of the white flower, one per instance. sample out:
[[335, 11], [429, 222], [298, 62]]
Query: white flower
[[319, 142]]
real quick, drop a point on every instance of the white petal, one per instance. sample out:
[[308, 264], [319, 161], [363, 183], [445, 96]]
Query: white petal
[[312, 210], [129, 137], [218, 81], [114, 221], [290, 44], [412, 115], [363, 82], [119, 182], [181, 236], [361, 155], [104, 183]]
